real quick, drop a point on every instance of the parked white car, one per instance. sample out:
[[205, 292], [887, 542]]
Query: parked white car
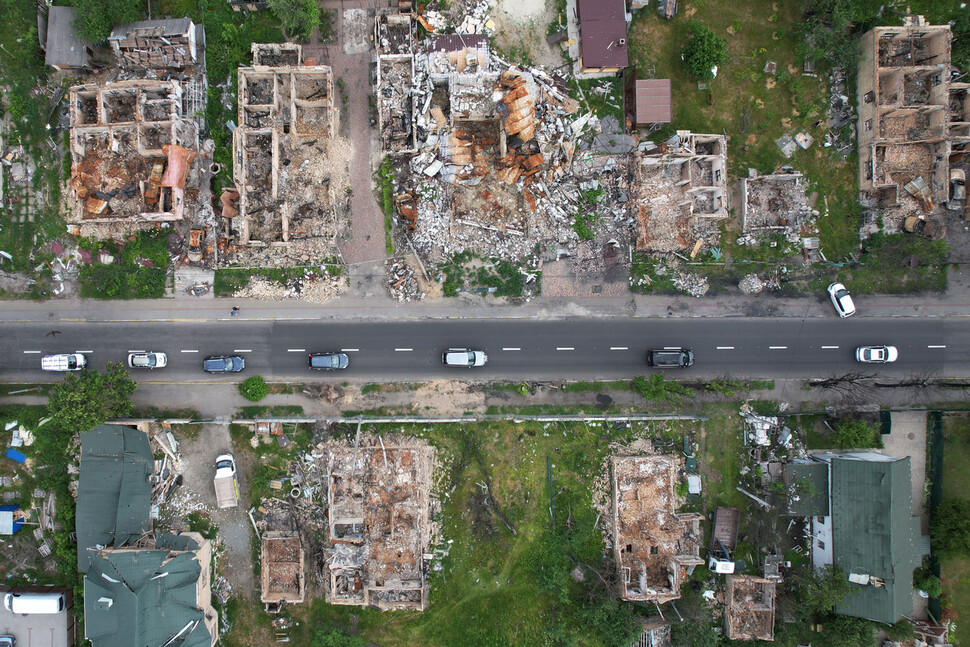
[[147, 359], [841, 299]]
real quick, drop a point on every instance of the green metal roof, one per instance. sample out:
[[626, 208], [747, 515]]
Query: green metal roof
[[114, 493], [810, 481], [875, 534], [135, 598]]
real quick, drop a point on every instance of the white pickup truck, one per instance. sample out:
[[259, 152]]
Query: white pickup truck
[[227, 488]]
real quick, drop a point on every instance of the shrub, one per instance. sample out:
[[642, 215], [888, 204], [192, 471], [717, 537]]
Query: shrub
[[853, 433], [254, 388], [950, 528], [298, 17], [704, 51]]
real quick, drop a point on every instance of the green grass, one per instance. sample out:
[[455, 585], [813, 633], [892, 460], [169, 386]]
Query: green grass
[[720, 456], [138, 271], [884, 268], [230, 280], [602, 105], [955, 570], [278, 411]]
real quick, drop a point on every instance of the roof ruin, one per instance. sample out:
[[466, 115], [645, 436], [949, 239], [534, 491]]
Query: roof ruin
[[776, 203], [683, 192], [281, 569], [655, 547], [749, 608], [379, 523]]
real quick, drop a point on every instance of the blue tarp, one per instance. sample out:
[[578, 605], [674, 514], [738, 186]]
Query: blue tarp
[[14, 455]]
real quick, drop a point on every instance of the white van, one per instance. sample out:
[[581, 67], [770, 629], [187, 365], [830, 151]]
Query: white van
[[63, 362], [34, 602]]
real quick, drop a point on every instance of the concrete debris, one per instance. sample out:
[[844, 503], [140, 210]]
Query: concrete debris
[[749, 608], [751, 284], [402, 281], [310, 287], [281, 570], [777, 204], [692, 284]]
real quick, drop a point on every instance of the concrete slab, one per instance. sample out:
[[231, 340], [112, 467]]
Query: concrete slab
[[908, 438]]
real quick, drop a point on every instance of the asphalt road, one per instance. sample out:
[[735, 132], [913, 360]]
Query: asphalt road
[[517, 349]]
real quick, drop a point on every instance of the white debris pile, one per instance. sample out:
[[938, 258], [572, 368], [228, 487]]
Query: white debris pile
[[692, 284], [313, 288], [751, 284], [402, 281]]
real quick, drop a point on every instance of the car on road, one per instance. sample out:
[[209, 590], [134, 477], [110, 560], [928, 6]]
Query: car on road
[[958, 189], [463, 357], [670, 358], [147, 359], [223, 364], [841, 299], [876, 354], [63, 362], [328, 361]]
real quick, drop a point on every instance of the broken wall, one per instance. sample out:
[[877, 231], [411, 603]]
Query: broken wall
[[749, 608]]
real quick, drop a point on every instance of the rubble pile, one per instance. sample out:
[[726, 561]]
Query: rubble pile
[[402, 282], [751, 284], [692, 284], [777, 204], [310, 287]]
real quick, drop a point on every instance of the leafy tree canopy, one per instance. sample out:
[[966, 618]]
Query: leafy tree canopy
[[852, 433], [326, 636], [298, 17], [94, 19], [950, 529], [85, 400], [821, 590], [704, 51]]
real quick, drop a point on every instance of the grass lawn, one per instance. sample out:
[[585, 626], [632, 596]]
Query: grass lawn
[[751, 107], [955, 571]]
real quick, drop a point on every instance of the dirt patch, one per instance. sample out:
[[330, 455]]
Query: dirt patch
[[446, 397], [521, 25]]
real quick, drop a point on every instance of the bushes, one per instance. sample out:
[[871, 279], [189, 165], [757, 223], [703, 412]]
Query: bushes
[[254, 388], [657, 388], [298, 17], [704, 51], [853, 433], [950, 528], [94, 19]]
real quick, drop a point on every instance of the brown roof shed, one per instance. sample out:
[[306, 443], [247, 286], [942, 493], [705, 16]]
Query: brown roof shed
[[651, 100]]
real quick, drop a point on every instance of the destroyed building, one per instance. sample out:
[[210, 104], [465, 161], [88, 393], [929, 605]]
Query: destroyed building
[[280, 158], [655, 547], [682, 192], [749, 608], [488, 145], [281, 570], [133, 148], [912, 119], [776, 204], [379, 514], [157, 44]]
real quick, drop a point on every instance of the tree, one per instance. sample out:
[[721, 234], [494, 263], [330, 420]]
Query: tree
[[902, 631], [847, 631], [254, 388], [694, 634], [950, 528], [298, 17], [659, 389], [925, 581], [94, 19], [853, 433], [327, 636], [821, 590], [704, 51], [85, 400]]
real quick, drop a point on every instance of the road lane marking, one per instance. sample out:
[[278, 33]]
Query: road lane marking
[[84, 351], [565, 348], [725, 348], [138, 351], [671, 347], [936, 346], [243, 350], [619, 348], [349, 350], [403, 350], [189, 351], [295, 350], [511, 348], [777, 347], [31, 352], [830, 347]]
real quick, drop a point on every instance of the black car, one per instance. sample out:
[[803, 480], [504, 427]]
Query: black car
[[328, 361], [223, 364], [670, 358]]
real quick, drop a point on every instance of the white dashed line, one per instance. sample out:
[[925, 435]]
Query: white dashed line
[[84, 351], [349, 350], [619, 348], [725, 347], [403, 350], [511, 348], [565, 348], [936, 346], [830, 347], [295, 350], [243, 350], [190, 351], [671, 347], [777, 347], [138, 351], [31, 352]]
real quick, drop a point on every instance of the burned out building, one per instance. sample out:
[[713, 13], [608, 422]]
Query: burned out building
[[682, 192], [655, 547], [157, 44], [379, 502], [777, 204], [282, 577], [912, 119], [280, 156], [749, 608], [133, 149], [394, 38]]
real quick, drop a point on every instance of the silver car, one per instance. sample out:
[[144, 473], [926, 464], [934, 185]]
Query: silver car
[[147, 359], [463, 357]]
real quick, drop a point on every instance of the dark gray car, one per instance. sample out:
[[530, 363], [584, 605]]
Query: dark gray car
[[670, 358], [223, 364], [328, 361]]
